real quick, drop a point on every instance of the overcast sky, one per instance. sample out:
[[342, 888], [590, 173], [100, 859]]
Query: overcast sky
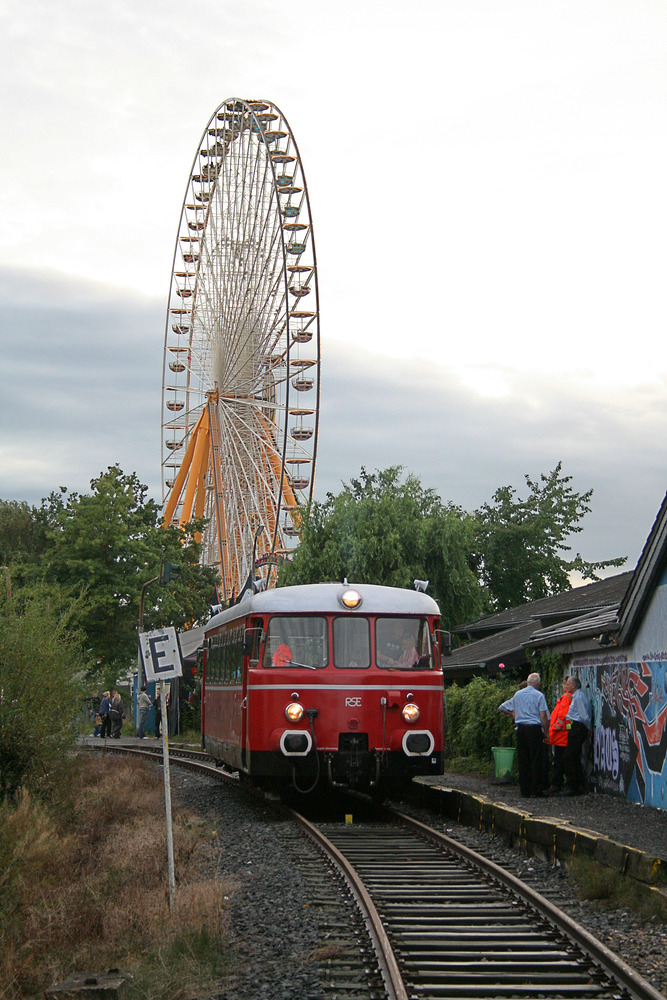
[[487, 183]]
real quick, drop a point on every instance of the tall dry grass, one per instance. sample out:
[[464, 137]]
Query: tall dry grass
[[83, 887]]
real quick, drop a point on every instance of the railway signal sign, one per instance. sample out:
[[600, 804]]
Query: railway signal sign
[[161, 654]]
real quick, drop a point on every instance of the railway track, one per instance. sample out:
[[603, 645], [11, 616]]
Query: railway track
[[461, 927], [442, 921]]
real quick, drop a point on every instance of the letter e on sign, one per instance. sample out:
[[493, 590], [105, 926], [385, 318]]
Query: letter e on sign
[[160, 654]]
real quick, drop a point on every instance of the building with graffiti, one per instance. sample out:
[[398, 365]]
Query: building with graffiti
[[619, 654], [611, 634]]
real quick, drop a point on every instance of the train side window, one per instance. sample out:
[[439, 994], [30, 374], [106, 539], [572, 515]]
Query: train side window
[[237, 654], [213, 664], [224, 666], [296, 641], [351, 643]]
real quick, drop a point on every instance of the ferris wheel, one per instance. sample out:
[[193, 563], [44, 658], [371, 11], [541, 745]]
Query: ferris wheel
[[241, 369]]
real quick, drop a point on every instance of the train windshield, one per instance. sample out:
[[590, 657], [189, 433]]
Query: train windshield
[[403, 644], [351, 643], [296, 641]]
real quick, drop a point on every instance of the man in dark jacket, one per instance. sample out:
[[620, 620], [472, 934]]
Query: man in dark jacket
[[105, 709], [578, 724]]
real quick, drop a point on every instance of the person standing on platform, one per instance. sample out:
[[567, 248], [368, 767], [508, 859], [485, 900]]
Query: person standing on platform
[[144, 707], [157, 708], [528, 707], [117, 713], [95, 703], [105, 710], [558, 736], [578, 724]]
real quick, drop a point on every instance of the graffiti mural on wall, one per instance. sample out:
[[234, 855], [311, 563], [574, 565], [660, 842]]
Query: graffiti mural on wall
[[629, 702]]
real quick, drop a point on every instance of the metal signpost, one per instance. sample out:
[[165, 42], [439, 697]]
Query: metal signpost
[[162, 661]]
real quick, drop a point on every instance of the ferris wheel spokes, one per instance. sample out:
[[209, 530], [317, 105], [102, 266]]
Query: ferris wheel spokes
[[244, 268]]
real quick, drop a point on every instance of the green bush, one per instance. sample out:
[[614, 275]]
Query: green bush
[[40, 689], [552, 668], [473, 723]]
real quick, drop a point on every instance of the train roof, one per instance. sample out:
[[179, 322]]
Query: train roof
[[325, 598]]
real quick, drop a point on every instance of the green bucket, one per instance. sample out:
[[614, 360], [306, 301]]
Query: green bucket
[[503, 761]]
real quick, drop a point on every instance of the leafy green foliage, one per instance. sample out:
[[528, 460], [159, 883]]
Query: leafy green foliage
[[473, 721], [551, 667], [40, 687], [382, 530], [107, 545], [22, 537], [520, 541]]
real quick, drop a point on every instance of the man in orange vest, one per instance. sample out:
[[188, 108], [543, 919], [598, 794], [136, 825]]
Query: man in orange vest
[[558, 736]]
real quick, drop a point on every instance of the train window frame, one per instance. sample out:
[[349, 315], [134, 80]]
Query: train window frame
[[213, 659], [273, 642], [224, 663], [351, 664], [421, 638], [254, 640]]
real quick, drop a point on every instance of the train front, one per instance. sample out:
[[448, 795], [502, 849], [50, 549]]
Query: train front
[[346, 688]]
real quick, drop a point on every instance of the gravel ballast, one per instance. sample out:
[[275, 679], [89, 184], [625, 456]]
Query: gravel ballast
[[276, 936]]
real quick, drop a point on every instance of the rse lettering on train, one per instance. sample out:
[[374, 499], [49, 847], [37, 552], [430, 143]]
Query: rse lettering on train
[[325, 683]]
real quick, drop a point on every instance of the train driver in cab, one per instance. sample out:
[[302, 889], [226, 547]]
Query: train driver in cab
[[399, 649], [409, 656], [282, 656]]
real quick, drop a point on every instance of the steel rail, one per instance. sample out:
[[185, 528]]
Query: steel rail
[[197, 760], [610, 962], [391, 975]]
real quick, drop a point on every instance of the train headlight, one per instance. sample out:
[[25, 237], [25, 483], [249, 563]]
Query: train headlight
[[410, 712], [350, 598], [294, 711]]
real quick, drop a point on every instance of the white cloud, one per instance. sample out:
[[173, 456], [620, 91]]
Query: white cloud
[[84, 393], [487, 186]]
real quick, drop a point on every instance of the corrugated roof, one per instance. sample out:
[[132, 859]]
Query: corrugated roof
[[191, 641], [503, 647], [578, 601], [595, 623], [587, 608]]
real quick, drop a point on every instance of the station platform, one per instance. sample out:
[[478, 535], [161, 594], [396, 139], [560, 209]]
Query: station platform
[[630, 838]]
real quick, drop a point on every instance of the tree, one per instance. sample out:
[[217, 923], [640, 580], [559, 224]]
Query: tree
[[41, 660], [22, 536], [382, 530], [520, 541], [107, 545]]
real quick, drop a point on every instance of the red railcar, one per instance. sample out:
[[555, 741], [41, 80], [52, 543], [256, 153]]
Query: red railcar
[[325, 683]]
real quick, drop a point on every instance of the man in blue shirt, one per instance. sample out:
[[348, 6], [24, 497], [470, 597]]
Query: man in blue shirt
[[528, 707], [578, 724]]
